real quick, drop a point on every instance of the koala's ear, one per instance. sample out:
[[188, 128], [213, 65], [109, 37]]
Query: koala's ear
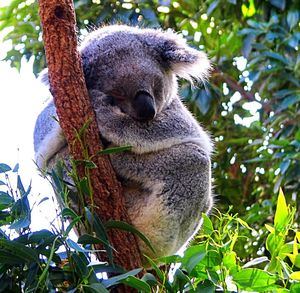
[[183, 60]]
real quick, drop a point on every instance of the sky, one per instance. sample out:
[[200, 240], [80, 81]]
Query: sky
[[21, 99]]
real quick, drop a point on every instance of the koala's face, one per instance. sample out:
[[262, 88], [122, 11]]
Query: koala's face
[[137, 68]]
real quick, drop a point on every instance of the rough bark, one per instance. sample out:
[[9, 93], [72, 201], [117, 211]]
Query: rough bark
[[73, 106]]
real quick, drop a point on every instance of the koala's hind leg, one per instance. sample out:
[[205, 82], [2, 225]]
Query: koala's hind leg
[[177, 189]]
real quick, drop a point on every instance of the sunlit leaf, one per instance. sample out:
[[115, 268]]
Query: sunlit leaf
[[254, 280], [282, 212], [295, 276]]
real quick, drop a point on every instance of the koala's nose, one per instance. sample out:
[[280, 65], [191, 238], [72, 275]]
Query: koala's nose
[[144, 106]]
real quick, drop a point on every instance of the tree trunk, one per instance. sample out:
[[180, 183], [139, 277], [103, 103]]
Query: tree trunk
[[71, 99]]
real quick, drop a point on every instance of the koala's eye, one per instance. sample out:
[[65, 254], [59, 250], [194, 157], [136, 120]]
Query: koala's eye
[[117, 95]]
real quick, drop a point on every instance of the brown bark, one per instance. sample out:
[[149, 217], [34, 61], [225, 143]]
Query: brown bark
[[73, 106]]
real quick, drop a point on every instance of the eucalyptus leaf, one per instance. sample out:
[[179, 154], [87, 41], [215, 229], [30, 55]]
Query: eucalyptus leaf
[[127, 227], [292, 18], [136, 283], [4, 168], [282, 212], [5, 200], [255, 280], [118, 279], [19, 250], [97, 288]]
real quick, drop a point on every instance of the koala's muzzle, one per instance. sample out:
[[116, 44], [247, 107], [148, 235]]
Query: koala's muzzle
[[144, 106]]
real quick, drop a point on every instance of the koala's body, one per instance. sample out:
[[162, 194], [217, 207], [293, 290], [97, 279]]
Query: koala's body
[[131, 75]]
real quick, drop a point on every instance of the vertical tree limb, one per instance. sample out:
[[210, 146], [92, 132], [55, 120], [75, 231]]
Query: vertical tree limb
[[71, 99]]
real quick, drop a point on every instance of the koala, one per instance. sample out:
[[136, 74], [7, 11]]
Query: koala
[[131, 74]]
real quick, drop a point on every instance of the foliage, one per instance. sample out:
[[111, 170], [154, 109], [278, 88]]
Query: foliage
[[265, 153], [250, 105], [49, 260]]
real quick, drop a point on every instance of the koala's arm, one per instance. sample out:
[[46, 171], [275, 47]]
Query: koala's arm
[[48, 136], [174, 125], [177, 184]]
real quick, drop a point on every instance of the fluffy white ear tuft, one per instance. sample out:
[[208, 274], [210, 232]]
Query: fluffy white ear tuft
[[185, 61], [198, 68]]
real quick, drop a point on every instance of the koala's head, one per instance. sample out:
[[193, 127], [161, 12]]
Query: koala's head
[[137, 68]]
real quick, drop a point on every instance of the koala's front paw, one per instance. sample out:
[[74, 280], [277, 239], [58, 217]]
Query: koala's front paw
[[111, 120], [104, 108]]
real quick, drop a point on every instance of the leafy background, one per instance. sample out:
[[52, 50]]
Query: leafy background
[[250, 105]]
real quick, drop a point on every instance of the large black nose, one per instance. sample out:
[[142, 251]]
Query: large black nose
[[144, 106]]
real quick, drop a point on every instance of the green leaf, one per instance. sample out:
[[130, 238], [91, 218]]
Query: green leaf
[[32, 275], [282, 213], [295, 276], [150, 279], [247, 45], [16, 168], [23, 222], [89, 239], [97, 288], [192, 256], [86, 163], [206, 287], [117, 279], [248, 11], [4, 168], [203, 99], [5, 200], [254, 280], [279, 3], [212, 7], [84, 128], [160, 275], [181, 280], [284, 165], [115, 150], [104, 268], [136, 283], [277, 56], [295, 288], [73, 245], [9, 258], [72, 224], [112, 224], [84, 186], [98, 227], [292, 18], [169, 259], [287, 102], [44, 236], [19, 250], [69, 213], [229, 260], [80, 263]]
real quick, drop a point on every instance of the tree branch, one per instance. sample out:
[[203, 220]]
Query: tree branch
[[73, 106], [219, 75]]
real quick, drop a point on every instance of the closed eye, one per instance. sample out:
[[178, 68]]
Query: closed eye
[[117, 95]]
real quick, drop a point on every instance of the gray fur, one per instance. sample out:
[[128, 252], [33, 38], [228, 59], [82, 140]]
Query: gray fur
[[131, 75]]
